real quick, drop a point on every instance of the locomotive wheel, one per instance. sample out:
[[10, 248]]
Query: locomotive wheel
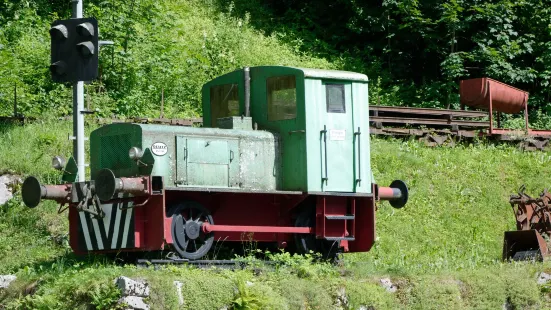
[[188, 238], [308, 242]]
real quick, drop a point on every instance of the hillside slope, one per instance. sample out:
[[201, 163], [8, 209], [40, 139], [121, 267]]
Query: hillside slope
[[449, 233], [455, 218], [459, 203], [170, 46]]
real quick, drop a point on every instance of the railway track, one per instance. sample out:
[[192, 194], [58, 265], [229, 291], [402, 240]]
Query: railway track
[[203, 264], [432, 126]]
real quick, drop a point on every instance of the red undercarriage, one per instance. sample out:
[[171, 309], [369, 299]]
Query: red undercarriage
[[245, 216]]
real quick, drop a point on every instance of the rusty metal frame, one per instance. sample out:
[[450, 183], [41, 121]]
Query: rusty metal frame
[[208, 228]]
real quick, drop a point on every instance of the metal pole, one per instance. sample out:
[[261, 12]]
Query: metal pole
[[78, 116], [162, 103], [15, 100]]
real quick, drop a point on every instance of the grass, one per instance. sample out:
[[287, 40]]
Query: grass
[[442, 250], [71, 284], [458, 207]]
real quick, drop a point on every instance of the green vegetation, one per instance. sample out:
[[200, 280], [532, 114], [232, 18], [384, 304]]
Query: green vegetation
[[172, 45], [459, 203], [417, 51], [414, 52], [442, 250]]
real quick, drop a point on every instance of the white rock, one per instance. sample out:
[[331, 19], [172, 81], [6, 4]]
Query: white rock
[[5, 191], [134, 302], [249, 283], [342, 300], [130, 287], [544, 278], [179, 285], [387, 284], [6, 280], [367, 308]]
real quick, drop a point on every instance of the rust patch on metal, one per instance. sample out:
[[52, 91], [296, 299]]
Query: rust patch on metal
[[533, 219]]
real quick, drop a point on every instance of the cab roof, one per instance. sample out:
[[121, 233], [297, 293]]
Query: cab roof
[[307, 72], [332, 74]]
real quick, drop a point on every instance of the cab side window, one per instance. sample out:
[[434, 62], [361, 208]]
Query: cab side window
[[335, 98], [282, 98], [224, 102]]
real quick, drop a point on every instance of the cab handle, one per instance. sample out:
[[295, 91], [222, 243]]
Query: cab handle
[[358, 136], [324, 133]]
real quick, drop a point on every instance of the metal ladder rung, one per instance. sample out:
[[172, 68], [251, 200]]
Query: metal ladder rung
[[340, 217], [340, 238]]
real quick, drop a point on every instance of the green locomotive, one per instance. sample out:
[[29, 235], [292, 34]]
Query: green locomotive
[[283, 155]]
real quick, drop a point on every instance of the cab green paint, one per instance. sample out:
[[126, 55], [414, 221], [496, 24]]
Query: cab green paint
[[303, 142]]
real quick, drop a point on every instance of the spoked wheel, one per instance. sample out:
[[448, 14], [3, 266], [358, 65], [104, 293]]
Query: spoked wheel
[[308, 242], [188, 238]]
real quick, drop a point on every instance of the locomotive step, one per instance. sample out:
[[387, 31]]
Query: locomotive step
[[340, 238], [340, 217]]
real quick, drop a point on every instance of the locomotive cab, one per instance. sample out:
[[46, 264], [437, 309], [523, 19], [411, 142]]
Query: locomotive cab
[[318, 115]]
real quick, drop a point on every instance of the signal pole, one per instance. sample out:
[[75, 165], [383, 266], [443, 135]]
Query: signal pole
[[74, 58], [78, 115]]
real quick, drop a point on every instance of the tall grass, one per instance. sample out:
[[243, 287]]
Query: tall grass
[[459, 203], [449, 234]]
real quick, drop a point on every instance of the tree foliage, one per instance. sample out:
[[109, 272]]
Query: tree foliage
[[419, 50]]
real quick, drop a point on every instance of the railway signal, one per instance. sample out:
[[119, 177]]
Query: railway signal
[[74, 50]]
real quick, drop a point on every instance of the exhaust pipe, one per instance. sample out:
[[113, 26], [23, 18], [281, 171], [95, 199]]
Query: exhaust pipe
[[396, 194], [33, 192]]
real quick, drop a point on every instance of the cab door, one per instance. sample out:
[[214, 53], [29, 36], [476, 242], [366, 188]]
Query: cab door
[[337, 138]]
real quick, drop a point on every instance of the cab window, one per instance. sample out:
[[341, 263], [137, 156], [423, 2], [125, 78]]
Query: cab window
[[282, 98], [335, 98], [224, 102]]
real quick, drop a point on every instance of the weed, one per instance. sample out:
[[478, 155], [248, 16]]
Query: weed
[[105, 296], [244, 299]]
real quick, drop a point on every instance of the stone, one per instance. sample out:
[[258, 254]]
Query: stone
[[178, 286], [6, 181], [6, 280], [367, 308], [131, 287], [387, 284], [341, 300], [544, 278], [135, 303]]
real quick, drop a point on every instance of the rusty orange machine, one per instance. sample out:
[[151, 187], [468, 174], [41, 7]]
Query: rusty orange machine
[[533, 218], [494, 96]]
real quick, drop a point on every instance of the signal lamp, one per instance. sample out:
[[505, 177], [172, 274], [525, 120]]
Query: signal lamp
[[86, 49], [59, 32], [58, 68], [86, 29]]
